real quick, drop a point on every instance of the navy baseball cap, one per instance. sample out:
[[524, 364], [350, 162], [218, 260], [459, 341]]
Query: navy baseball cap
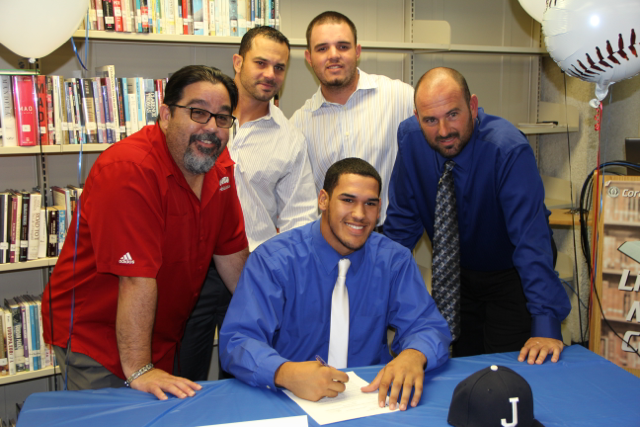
[[494, 396]]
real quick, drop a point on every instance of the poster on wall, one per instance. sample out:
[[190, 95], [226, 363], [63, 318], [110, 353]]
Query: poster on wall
[[618, 275]]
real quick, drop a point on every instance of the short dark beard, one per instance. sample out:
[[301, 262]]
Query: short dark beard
[[199, 165]]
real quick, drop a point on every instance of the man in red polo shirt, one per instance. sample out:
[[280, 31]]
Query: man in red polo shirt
[[155, 209]]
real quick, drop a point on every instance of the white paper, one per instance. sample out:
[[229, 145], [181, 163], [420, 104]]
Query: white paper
[[299, 421], [350, 404]]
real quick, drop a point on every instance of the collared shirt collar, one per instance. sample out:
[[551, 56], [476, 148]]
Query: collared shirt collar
[[364, 83], [464, 159], [269, 116], [328, 257]]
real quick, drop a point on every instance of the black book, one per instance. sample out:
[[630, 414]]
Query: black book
[[24, 227]]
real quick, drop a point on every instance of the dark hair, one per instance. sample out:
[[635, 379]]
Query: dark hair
[[352, 165], [191, 74], [455, 75], [268, 32], [331, 17]]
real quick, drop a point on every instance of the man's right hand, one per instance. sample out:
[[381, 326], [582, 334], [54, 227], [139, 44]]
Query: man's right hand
[[311, 380], [157, 382]]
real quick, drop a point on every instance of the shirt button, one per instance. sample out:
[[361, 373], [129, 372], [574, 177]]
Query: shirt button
[[269, 387]]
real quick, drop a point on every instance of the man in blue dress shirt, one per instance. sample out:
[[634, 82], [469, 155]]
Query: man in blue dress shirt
[[279, 317], [511, 298]]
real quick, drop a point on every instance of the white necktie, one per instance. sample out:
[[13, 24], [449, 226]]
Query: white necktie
[[339, 336]]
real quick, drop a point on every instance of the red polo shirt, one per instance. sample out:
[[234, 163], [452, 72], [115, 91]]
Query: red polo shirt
[[140, 218]]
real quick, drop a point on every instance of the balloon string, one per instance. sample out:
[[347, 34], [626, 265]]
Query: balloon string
[[86, 42]]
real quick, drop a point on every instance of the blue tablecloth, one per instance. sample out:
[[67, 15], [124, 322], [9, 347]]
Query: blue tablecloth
[[581, 390]]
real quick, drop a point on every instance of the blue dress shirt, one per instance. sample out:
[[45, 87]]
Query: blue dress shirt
[[501, 213], [281, 309]]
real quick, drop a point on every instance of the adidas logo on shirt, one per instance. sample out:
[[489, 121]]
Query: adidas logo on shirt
[[126, 259]]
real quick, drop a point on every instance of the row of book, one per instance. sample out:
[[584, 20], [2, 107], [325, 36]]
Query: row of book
[[22, 348], [28, 231], [226, 18], [49, 110]]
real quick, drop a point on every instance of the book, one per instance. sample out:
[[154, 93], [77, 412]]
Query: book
[[100, 113], [43, 114], [5, 226], [46, 351], [159, 84], [198, 18], [110, 72], [44, 235], [212, 17], [108, 112], [242, 17], [24, 228], [123, 116], [9, 333], [109, 18], [52, 229], [16, 221], [50, 112], [59, 110], [93, 24], [4, 356], [26, 333], [77, 104], [127, 16], [151, 113], [62, 227], [7, 113], [117, 15], [144, 16], [26, 110], [62, 199], [139, 91], [170, 16], [179, 20], [71, 119], [89, 111], [99, 14], [16, 321], [34, 332], [33, 232]]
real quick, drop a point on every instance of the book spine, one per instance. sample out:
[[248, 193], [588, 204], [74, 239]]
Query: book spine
[[62, 228], [242, 17], [14, 246], [7, 114], [127, 108], [24, 228], [122, 129], [108, 114], [99, 15], [26, 335], [140, 101], [109, 19], [117, 15], [179, 20], [77, 104], [170, 16], [60, 113], [50, 113], [43, 115], [45, 351], [24, 96], [9, 332], [144, 15], [150, 102], [111, 71], [5, 226], [89, 110], [97, 100], [52, 221], [35, 336], [35, 201], [4, 348], [44, 236], [93, 24], [68, 102]]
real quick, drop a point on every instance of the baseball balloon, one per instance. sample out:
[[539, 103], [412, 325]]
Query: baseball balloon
[[594, 40], [535, 8]]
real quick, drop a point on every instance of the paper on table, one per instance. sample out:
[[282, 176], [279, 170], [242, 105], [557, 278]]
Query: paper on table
[[299, 421], [350, 404]]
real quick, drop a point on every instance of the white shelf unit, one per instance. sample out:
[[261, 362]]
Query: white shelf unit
[[24, 376], [53, 149]]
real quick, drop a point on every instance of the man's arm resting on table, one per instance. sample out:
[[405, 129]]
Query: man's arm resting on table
[[137, 299], [538, 348], [310, 380], [405, 372], [230, 266]]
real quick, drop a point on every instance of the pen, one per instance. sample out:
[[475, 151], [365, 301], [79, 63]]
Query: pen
[[321, 360]]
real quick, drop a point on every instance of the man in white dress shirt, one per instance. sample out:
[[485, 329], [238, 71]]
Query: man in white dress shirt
[[273, 178], [353, 114]]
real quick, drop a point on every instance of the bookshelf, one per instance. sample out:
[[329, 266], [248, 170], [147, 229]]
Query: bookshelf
[[25, 376]]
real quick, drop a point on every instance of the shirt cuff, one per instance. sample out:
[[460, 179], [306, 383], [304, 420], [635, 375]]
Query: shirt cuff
[[546, 327], [265, 376], [433, 359]]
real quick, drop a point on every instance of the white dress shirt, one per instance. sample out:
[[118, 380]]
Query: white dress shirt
[[273, 176], [365, 127]]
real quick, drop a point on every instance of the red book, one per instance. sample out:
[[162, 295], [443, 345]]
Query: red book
[[25, 103], [159, 92], [185, 17], [43, 114], [144, 16], [117, 14]]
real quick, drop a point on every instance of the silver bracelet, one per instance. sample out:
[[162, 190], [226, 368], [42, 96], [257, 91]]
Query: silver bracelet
[[146, 368]]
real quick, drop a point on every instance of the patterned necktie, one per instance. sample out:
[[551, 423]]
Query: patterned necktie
[[339, 335], [446, 252]]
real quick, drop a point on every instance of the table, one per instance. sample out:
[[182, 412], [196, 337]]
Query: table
[[581, 390]]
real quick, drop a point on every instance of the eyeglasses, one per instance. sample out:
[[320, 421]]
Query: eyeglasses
[[201, 116]]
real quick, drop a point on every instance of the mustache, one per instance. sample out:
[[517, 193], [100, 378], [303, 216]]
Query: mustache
[[451, 135], [206, 137]]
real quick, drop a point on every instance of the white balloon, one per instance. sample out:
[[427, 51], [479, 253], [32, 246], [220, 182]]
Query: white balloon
[[535, 8], [594, 40], [35, 28]]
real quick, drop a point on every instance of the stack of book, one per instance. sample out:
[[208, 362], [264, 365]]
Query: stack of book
[[27, 230], [49, 110], [22, 347], [226, 18]]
